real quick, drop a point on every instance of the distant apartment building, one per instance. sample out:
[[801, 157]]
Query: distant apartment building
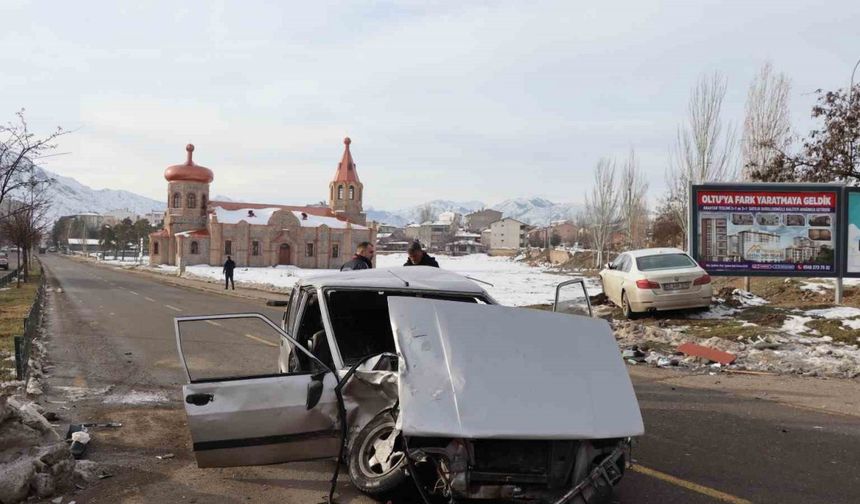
[[118, 215], [481, 220], [508, 234]]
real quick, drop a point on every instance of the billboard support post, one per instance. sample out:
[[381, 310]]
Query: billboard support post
[[838, 289], [747, 284]]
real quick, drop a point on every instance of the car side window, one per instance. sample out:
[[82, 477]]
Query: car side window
[[312, 334], [292, 311], [626, 263], [616, 264]]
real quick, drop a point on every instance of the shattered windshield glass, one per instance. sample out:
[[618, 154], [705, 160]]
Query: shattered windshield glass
[[360, 320]]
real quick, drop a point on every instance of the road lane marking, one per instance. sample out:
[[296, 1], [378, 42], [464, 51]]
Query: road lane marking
[[261, 340], [148, 299], [212, 322], [689, 485], [172, 307]]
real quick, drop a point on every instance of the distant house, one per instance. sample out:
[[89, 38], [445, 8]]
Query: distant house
[[508, 234], [465, 243], [481, 220]]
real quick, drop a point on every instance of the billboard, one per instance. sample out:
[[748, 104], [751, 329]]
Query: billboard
[[852, 234], [767, 229]]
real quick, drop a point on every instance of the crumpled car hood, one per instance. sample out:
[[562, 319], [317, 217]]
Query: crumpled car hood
[[481, 371]]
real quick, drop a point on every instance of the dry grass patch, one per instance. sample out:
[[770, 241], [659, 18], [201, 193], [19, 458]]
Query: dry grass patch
[[14, 305], [834, 329]]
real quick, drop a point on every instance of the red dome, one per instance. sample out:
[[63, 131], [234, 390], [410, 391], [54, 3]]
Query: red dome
[[188, 172]]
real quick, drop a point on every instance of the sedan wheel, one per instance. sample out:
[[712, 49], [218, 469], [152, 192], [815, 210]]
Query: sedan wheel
[[626, 309]]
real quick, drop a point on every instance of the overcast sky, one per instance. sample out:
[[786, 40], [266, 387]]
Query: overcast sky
[[457, 100]]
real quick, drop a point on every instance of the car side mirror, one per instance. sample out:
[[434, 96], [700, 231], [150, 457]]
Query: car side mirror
[[609, 266], [315, 390]]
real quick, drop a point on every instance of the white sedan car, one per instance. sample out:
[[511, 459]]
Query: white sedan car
[[656, 279]]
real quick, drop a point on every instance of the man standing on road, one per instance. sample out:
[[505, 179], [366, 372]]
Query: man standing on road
[[229, 266], [362, 259], [417, 256]]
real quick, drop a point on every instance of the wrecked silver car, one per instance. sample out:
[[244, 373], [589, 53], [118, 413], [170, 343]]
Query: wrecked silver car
[[419, 382]]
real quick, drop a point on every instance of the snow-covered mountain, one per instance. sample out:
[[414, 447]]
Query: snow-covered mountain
[[68, 197], [536, 211], [413, 214]]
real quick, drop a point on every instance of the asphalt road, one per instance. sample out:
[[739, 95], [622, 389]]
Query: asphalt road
[[113, 351]]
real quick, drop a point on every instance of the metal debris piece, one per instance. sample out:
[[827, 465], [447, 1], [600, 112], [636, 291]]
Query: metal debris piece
[[712, 354]]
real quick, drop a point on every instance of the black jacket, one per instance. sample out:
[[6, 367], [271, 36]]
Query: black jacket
[[426, 260], [357, 263], [229, 266]]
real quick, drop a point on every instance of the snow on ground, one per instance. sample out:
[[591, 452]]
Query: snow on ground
[[819, 285], [514, 283]]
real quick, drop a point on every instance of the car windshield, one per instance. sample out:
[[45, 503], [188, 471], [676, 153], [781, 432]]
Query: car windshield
[[360, 320], [664, 261]]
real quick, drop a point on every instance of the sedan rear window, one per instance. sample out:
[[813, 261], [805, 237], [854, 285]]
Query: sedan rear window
[[664, 261]]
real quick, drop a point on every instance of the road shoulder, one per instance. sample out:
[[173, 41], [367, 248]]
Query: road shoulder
[[828, 395]]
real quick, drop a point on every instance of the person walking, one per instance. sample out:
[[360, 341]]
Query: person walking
[[229, 266], [363, 258], [417, 256]]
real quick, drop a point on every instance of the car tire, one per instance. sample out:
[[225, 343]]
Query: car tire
[[626, 308], [378, 477]]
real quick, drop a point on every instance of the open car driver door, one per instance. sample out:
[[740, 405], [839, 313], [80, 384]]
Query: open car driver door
[[241, 419]]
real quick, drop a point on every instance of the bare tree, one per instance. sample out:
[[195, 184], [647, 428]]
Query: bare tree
[[767, 126], [601, 207], [19, 150], [25, 221], [632, 189], [426, 214], [704, 149]]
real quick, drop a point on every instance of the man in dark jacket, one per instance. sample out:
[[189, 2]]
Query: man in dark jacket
[[363, 258], [229, 266], [417, 256]]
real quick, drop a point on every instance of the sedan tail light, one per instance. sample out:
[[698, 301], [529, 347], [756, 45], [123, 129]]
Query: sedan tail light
[[647, 284], [702, 280]]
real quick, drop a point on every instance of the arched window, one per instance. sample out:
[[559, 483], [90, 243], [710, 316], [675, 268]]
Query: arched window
[[203, 202], [177, 200], [195, 249], [351, 192], [192, 200], [155, 248], [340, 192]]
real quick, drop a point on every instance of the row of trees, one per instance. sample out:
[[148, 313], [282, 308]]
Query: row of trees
[[24, 201], [707, 149]]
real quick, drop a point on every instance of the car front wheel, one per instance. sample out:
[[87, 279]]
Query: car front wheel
[[377, 461]]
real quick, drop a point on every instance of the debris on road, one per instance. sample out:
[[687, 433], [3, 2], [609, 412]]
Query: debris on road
[[712, 354], [166, 456], [34, 461], [79, 438]]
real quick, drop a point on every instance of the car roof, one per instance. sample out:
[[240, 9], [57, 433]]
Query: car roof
[[417, 277], [654, 251]]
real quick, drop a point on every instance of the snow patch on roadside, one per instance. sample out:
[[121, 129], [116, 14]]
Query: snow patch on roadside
[[514, 283], [137, 397]]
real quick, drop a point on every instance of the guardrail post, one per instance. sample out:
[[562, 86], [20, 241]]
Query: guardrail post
[[19, 358]]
